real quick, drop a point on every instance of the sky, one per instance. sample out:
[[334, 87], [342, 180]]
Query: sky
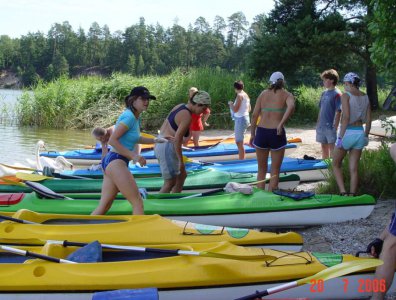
[[19, 17]]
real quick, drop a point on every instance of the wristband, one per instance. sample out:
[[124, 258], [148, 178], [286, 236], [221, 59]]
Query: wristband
[[339, 142]]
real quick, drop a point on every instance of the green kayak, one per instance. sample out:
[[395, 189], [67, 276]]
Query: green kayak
[[260, 209], [201, 179]]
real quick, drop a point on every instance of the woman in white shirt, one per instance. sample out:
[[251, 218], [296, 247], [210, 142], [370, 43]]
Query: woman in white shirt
[[240, 108]]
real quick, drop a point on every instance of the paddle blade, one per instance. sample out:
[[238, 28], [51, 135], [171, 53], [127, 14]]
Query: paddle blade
[[11, 180], [342, 269], [31, 177], [17, 168], [237, 257]]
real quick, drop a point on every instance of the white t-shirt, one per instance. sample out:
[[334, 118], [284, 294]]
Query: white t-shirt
[[244, 108]]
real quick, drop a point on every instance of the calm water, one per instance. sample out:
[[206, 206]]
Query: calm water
[[18, 143]]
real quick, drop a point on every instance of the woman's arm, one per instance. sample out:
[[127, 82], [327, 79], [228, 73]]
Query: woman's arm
[[345, 113], [290, 106], [255, 116], [206, 116], [237, 105]]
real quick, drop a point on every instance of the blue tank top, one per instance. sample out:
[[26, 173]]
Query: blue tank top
[[172, 115]]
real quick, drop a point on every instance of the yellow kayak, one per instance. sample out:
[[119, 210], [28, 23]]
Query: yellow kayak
[[183, 272], [136, 230]]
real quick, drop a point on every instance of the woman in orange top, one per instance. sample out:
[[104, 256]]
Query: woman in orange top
[[197, 122]]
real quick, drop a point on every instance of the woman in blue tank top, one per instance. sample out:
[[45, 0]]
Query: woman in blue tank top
[[177, 125], [116, 174]]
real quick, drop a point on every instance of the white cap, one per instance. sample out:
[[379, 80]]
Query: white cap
[[275, 77]]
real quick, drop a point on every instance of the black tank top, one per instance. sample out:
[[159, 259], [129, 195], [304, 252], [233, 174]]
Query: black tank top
[[172, 115]]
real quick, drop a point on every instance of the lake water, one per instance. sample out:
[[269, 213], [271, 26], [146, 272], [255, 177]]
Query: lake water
[[18, 143]]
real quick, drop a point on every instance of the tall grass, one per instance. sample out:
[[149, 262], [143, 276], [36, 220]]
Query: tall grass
[[377, 174], [86, 102]]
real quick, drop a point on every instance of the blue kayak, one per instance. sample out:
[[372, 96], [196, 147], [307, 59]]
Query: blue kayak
[[308, 170], [221, 152]]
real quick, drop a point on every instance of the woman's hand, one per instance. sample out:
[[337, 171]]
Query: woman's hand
[[139, 159], [252, 137], [206, 124], [230, 103], [279, 129]]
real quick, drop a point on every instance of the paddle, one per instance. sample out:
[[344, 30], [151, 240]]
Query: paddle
[[171, 251], [329, 273], [44, 191], [11, 181], [222, 140], [36, 255], [222, 189], [57, 175], [16, 220]]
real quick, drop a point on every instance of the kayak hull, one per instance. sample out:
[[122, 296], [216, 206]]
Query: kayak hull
[[261, 209], [134, 230], [180, 277], [221, 152]]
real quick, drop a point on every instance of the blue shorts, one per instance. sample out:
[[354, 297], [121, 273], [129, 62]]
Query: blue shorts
[[354, 138], [110, 156], [325, 135], [392, 225], [167, 159], [267, 138], [241, 124]]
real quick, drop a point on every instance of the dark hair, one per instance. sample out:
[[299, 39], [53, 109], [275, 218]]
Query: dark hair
[[239, 85], [99, 131], [192, 96], [278, 85], [356, 82], [330, 74]]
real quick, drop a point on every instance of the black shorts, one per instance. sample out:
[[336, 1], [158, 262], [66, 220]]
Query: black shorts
[[268, 139]]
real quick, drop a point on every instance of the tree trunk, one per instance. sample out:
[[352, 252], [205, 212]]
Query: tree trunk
[[371, 84]]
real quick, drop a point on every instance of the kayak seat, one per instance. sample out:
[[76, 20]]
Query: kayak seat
[[88, 254], [296, 195]]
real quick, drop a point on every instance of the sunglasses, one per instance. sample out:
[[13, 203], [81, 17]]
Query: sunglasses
[[202, 105]]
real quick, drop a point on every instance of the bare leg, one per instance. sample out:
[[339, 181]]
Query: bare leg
[[386, 271], [325, 151], [338, 157], [354, 157], [178, 187], [331, 149], [276, 162], [262, 163], [195, 137], [168, 185], [118, 171], [241, 150], [108, 194]]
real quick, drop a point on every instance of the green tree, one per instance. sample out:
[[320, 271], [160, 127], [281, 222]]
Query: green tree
[[382, 27]]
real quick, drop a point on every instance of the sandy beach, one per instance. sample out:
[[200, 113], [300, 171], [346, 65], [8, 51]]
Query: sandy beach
[[346, 237]]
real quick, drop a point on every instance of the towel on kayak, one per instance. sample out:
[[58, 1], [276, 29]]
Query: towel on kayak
[[296, 195], [233, 187]]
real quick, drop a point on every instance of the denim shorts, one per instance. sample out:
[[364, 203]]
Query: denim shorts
[[326, 135], [167, 159], [354, 138], [110, 156], [241, 124]]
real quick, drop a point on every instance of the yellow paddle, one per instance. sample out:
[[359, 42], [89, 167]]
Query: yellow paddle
[[329, 273], [32, 177]]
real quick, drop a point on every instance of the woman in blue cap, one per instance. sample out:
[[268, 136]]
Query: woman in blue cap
[[352, 137], [116, 174]]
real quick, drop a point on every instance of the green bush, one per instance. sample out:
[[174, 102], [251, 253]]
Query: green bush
[[377, 174]]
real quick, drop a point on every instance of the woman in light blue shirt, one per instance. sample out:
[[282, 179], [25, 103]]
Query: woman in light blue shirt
[[116, 174]]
